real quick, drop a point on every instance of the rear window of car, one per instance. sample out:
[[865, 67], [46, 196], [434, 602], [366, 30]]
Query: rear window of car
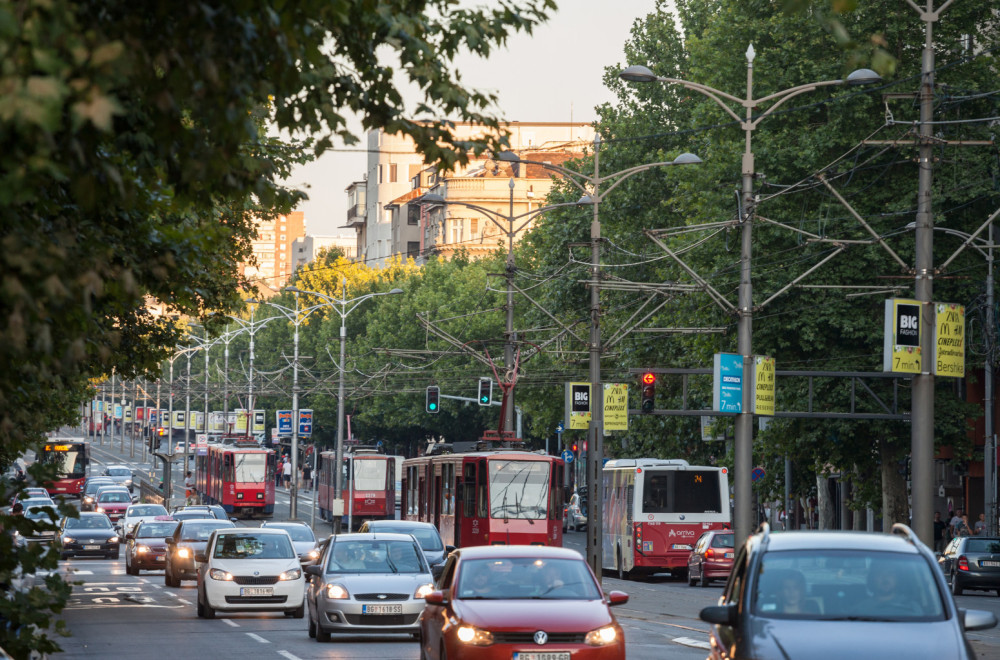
[[983, 545], [299, 533], [427, 537], [853, 585], [119, 472], [722, 541], [146, 510], [253, 546], [114, 497], [155, 529], [200, 531], [92, 486]]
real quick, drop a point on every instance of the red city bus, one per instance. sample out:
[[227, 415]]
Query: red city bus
[[495, 497], [655, 510], [238, 478], [369, 486], [71, 457]]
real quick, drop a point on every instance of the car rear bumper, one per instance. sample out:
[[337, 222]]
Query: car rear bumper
[[978, 579]]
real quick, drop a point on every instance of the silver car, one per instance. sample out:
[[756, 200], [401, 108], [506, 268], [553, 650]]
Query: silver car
[[121, 474], [427, 535], [368, 583], [303, 539]]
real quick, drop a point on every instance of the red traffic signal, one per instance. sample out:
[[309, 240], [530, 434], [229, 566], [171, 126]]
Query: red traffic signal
[[648, 398], [649, 378], [574, 447]]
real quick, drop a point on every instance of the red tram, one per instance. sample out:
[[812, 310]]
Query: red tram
[[496, 497], [238, 478], [369, 487]]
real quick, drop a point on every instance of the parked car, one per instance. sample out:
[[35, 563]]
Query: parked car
[[249, 569], [839, 595], [303, 539], [427, 535], [121, 474], [502, 602], [574, 517], [972, 562], [368, 583], [90, 535], [146, 546], [189, 538], [711, 558]]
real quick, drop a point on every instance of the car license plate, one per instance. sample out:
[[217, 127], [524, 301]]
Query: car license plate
[[161, 557], [729, 555], [534, 655], [382, 609], [989, 563], [91, 547], [257, 591]]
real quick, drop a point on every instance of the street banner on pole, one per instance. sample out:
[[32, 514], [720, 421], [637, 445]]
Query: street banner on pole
[[178, 420], [128, 414], [727, 386], [305, 422], [242, 420], [284, 421], [764, 385], [949, 340], [578, 405], [615, 407], [901, 345], [217, 422], [258, 421]]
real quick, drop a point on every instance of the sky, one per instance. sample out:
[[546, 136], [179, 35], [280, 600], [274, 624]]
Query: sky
[[554, 75]]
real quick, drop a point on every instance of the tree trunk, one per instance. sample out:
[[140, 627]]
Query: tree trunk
[[824, 503], [860, 515], [895, 507]]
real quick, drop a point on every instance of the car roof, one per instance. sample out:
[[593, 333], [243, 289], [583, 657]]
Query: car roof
[[399, 524], [165, 518], [92, 514], [372, 536], [493, 551], [280, 524], [813, 540], [240, 530]]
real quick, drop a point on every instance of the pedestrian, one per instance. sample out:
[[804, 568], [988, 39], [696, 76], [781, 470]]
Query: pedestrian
[[955, 521], [940, 532], [981, 525], [286, 472], [307, 477], [278, 473], [189, 488], [963, 528]]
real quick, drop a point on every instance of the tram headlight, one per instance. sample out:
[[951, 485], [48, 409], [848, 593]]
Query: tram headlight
[[239, 495]]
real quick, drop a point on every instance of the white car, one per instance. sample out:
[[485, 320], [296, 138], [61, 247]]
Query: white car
[[245, 569], [136, 513]]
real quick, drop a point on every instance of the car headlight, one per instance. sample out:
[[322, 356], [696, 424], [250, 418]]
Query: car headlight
[[88, 499], [336, 592], [474, 636], [219, 574], [142, 549], [183, 553], [292, 574], [601, 636], [128, 482], [67, 539], [312, 554], [423, 590], [100, 509]]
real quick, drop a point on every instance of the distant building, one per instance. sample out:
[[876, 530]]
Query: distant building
[[306, 248], [272, 251], [388, 227]]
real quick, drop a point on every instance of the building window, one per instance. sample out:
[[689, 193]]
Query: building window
[[412, 214], [473, 226], [456, 231], [413, 249], [380, 174], [283, 237], [392, 172]]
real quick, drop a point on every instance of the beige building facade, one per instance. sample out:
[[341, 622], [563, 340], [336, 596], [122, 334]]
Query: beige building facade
[[272, 251]]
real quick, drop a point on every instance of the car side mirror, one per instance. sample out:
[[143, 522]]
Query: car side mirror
[[723, 615], [448, 549], [977, 619], [436, 598], [169, 540], [233, 520], [200, 557], [129, 536], [617, 598], [314, 570]]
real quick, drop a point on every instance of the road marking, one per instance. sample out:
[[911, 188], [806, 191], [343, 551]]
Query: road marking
[[230, 622], [186, 602], [258, 638], [290, 656], [695, 643]]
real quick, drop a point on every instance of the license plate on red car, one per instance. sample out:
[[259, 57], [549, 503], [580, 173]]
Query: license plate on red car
[[161, 557], [382, 609], [729, 555], [257, 591], [535, 655]]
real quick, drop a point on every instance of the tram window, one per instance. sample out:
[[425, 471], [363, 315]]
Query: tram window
[[447, 498], [481, 492], [469, 490]]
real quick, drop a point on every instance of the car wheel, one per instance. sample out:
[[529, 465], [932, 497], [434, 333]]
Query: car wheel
[[200, 608], [129, 568], [703, 581], [299, 612], [209, 610], [170, 580], [691, 580], [312, 628], [956, 588], [322, 636]]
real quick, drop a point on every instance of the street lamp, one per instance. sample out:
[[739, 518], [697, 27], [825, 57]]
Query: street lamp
[[511, 229], [743, 463], [346, 307], [591, 186]]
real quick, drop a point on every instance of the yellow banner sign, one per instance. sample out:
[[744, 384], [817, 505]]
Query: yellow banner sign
[[763, 385], [949, 340], [615, 407]]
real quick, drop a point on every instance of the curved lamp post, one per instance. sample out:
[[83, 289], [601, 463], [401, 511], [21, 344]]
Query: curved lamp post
[[743, 464], [594, 192]]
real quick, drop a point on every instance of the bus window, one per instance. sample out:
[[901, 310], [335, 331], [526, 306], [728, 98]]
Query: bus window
[[681, 491]]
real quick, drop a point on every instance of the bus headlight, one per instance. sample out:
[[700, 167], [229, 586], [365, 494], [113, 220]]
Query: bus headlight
[[601, 636], [474, 636]]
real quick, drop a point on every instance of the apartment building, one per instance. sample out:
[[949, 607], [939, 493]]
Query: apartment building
[[306, 248], [272, 251]]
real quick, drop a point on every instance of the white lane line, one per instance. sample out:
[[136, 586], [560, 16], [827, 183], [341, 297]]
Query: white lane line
[[230, 622], [170, 593], [258, 638], [290, 656], [186, 602], [695, 643]]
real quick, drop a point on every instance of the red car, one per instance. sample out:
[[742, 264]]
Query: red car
[[712, 558], [146, 547], [113, 503], [520, 602]]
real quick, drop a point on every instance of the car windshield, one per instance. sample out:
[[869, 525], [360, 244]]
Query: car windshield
[[119, 472], [92, 486], [89, 522], [427, 537], [300, 533], [526, 578], [372, 556], [155, 530], [252, 545], [847, 585], [37, 513], [201, 531], [146, 510], [114, 498]]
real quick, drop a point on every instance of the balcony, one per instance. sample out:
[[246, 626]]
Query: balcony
[[355, 215]]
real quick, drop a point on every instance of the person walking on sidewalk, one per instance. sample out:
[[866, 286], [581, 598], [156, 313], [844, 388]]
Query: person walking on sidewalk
[[188, 488], [307, 477], [286, 471]]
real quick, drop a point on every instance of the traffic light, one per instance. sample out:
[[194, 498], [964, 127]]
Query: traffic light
[[485, 391], [575, 447], [433, 394], [648, 402]]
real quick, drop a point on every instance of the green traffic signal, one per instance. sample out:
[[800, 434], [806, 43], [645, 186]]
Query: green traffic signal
[[433, 392]]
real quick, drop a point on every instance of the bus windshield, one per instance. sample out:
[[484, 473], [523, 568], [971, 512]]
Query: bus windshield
[[251, 468], [68, 459], [519, 489], [681, 491], [369, 474]]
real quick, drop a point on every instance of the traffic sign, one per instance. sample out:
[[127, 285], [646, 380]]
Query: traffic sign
[[567, 456], [560, 428], [757, 474]]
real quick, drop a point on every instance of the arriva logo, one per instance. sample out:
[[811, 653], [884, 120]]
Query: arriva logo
[[683, 533]]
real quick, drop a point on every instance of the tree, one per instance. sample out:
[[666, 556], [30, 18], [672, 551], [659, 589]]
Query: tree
[[135, 161]]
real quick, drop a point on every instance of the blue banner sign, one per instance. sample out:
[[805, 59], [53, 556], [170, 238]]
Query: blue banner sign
[[305, 422], [284, 422], [727, 387]]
